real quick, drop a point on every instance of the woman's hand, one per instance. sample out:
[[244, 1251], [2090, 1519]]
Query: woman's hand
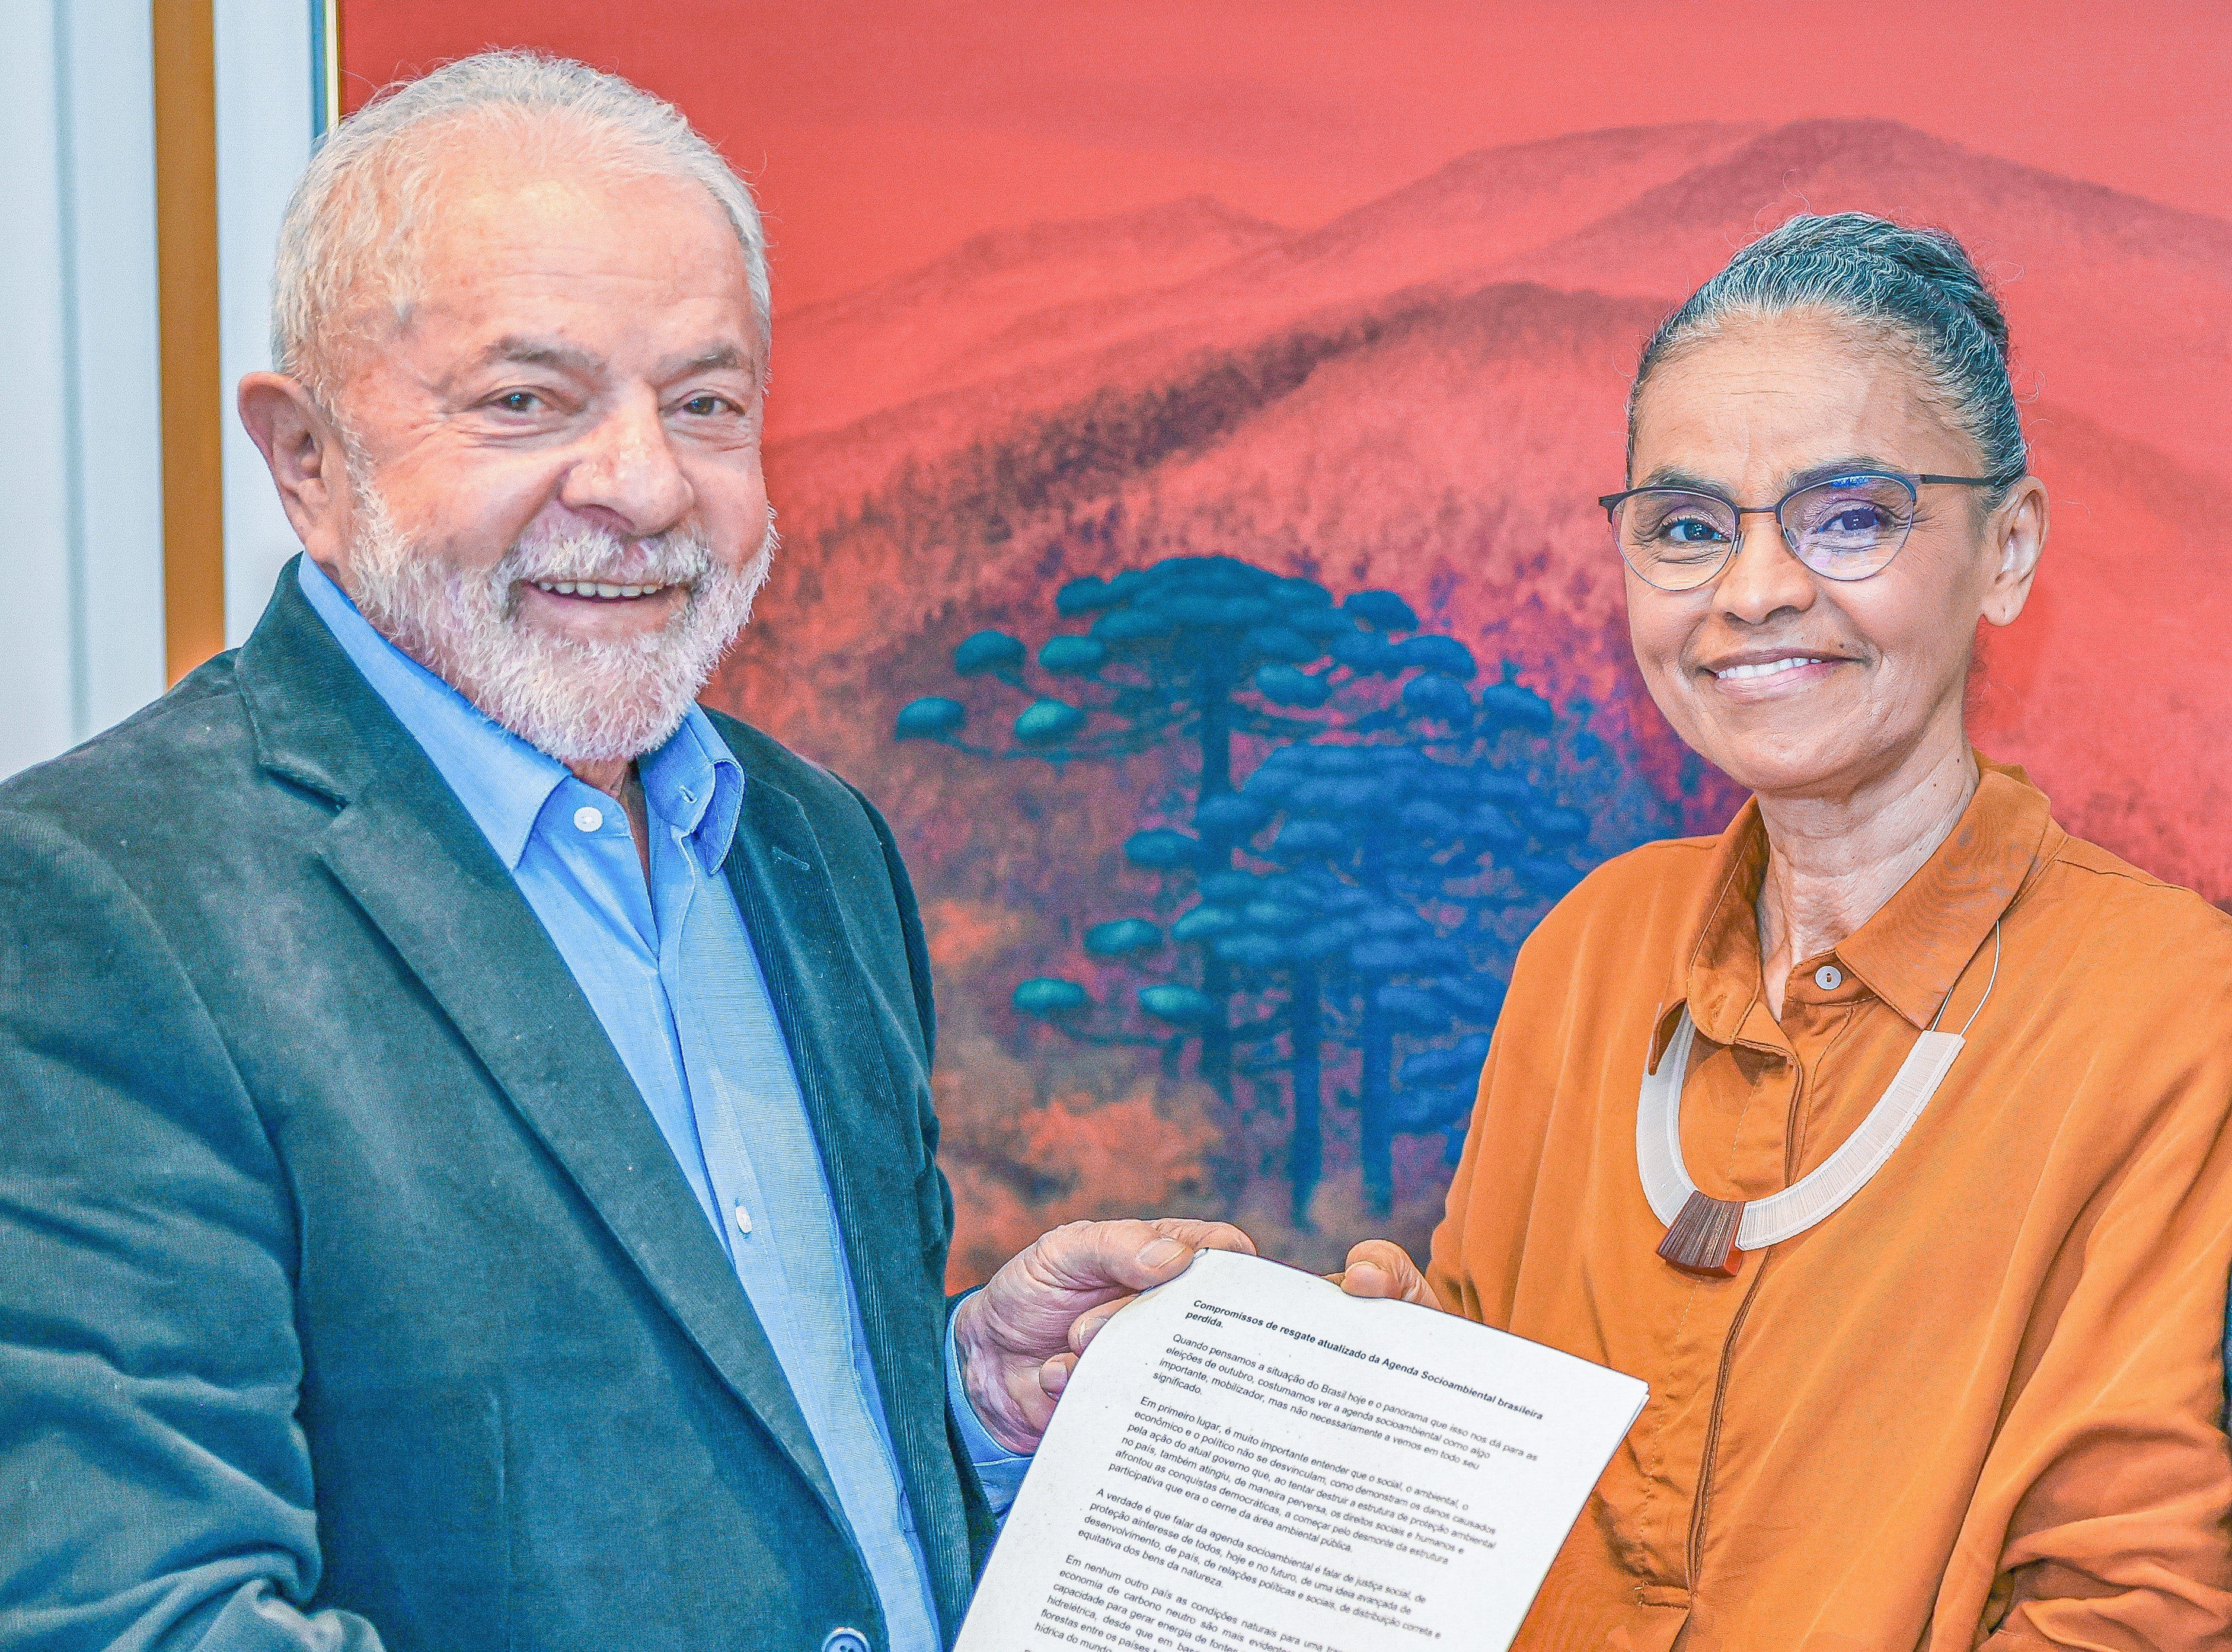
[[1382, 1268]]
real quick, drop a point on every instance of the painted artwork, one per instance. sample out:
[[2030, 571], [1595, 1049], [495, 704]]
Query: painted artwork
[[1207, 579]]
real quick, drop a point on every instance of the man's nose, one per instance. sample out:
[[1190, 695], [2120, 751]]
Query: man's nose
[[1763, 576], [626, 471]]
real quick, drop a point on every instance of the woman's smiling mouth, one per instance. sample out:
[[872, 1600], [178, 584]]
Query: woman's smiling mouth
[[1759, 674], [1770, 668]]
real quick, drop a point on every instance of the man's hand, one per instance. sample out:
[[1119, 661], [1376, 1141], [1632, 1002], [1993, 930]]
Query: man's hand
[[1382, 1268], [1019, 1337]]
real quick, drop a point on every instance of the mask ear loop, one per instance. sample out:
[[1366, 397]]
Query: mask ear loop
[[1989, 983]]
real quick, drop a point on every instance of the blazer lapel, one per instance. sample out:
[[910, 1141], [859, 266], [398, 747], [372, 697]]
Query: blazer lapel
[[838, 1028], [410, 856]]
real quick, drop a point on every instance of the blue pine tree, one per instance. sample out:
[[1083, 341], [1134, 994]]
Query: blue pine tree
[[1363, 887]]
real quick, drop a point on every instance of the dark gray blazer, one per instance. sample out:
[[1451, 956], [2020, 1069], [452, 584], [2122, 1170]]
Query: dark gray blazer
[[338, 1250]]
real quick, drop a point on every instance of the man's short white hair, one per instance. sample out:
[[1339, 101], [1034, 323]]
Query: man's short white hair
[[348, 244]]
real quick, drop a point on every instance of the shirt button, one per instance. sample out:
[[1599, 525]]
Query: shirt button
[[1829, 977], [743, 1219], [586, 819], [844, 1639]]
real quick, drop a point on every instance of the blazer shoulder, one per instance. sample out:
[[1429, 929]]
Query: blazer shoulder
[[173, 747]]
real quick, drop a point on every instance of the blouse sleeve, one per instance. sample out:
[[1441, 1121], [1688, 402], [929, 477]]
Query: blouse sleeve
[[2113, 1457]]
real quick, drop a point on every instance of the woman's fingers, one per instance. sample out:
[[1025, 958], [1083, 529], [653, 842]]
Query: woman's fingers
[[1380, 1267]]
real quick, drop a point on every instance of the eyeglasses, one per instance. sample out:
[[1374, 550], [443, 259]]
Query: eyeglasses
[[1847, 528]]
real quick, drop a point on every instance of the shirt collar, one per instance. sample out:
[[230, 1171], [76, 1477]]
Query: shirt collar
[[1909, 954], [691, 783], [695, 785]]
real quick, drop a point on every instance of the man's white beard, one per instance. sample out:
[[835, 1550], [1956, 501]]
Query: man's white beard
[[580, 701]]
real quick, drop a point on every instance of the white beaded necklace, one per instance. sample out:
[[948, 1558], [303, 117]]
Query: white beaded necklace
[[1704, 1233]]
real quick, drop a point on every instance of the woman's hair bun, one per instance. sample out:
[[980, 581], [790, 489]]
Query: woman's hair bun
[[1919, 285], [1931, 256]]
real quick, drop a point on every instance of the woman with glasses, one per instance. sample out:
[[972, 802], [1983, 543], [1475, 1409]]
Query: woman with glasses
[[1885, 1134]]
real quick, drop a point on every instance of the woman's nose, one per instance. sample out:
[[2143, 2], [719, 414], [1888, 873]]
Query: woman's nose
[[1763, 576]]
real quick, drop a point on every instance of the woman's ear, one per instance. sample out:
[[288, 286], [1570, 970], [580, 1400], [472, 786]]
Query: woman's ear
[[2014, 537], [309, 463]]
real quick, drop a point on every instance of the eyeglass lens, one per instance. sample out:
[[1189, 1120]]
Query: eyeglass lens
[[1845, 528]]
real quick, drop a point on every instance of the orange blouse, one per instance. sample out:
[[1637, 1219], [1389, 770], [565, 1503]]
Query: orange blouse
[[1981, 1404]]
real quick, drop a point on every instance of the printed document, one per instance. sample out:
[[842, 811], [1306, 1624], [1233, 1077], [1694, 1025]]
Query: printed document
[[1248, 1459]]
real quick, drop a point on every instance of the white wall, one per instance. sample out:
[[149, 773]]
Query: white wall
[[80, 425], [265, 99], [82, 640]]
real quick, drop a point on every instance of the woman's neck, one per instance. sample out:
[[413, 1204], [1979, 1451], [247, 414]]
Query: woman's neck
[[1833, 863]]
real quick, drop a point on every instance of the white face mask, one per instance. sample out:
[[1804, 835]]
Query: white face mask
[[580, 701]]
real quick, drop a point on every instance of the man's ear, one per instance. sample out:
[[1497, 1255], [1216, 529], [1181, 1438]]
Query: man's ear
[[309, 464], [2016, 534]]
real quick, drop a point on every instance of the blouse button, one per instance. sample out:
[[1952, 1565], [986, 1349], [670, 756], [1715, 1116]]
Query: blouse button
[[1829, 977]]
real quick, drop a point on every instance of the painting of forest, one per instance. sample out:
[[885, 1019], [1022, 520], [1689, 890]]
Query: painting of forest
[[1219, 608]]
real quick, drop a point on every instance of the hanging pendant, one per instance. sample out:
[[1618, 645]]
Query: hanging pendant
[[1702, 1239], [1704, 1234]]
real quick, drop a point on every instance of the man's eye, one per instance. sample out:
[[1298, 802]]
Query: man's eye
[[519, 401], [705, 406]]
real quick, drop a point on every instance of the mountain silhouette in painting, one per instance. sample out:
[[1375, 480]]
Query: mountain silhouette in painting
[[1426, 393], [903, 338]]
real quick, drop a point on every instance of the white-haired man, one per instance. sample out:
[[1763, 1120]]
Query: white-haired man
[[467, 1172]]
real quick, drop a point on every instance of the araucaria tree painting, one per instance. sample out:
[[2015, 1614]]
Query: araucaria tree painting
[[1363, 836]]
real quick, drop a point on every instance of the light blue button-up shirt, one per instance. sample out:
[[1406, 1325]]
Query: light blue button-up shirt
[[665, 965]]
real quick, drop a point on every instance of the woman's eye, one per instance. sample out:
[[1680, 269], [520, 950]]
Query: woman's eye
[[1855, 518]]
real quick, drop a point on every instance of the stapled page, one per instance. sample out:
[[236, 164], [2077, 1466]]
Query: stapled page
[[1250, 1460]]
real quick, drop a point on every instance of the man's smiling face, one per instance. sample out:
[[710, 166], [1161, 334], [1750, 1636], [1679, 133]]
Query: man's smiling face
[[556, 500]]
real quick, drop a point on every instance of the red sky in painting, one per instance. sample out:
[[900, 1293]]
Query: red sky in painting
[[882, 132]]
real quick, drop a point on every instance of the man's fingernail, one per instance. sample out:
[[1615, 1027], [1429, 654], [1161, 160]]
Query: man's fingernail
[[1159, 1251], [1088, 1329], [1052, 1379], [1365, 1273]]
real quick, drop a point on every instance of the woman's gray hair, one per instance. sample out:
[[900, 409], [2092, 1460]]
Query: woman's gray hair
[[349, 239], [1918, 285]]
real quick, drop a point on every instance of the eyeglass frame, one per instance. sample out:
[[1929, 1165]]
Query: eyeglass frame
[[1912, 482]]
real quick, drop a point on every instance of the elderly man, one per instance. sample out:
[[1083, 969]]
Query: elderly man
[[467, 1170]]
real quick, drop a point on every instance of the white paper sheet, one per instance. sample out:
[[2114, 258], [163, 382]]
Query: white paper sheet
[[1249, 1460]]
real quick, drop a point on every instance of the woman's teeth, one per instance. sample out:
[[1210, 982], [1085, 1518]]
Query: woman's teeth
[[1768, 668], [594, 588]]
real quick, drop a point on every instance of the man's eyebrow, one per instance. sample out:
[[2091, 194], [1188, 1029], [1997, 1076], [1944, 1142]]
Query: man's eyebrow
[[721, 358], [540, 352]]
